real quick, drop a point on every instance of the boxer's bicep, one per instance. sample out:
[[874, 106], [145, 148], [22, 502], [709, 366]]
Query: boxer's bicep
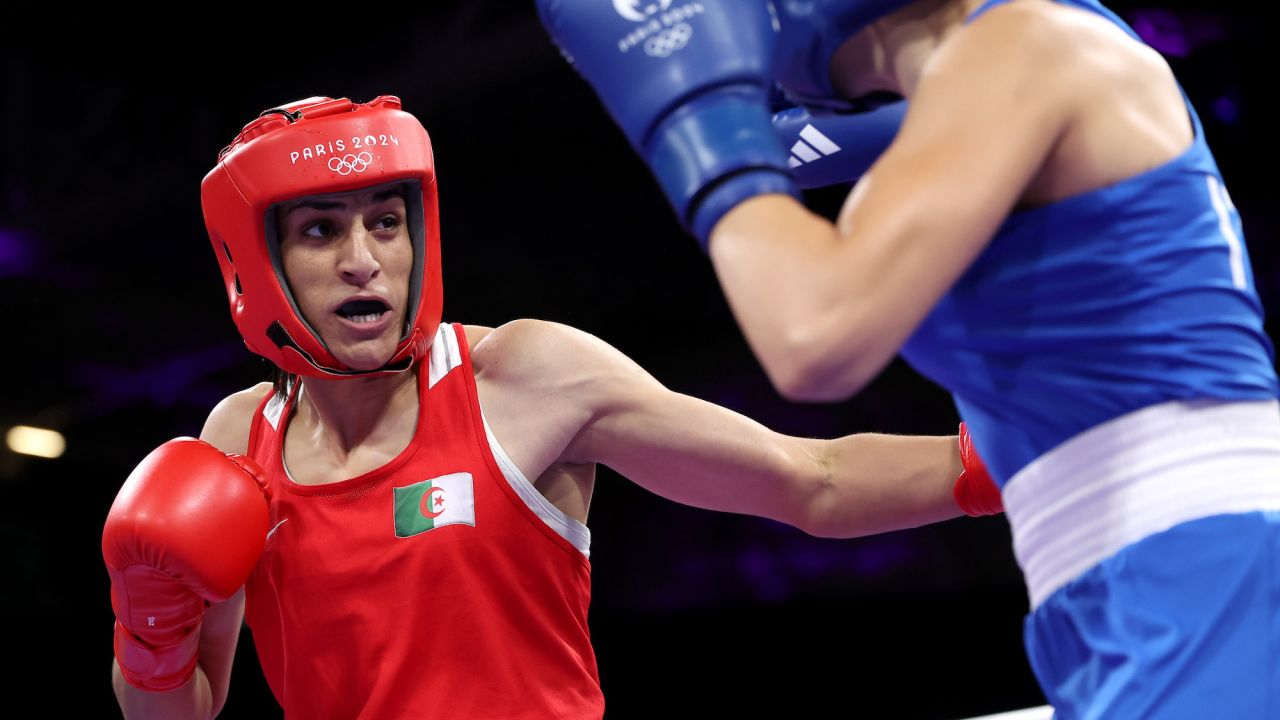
[[590, 403], [696, 453]]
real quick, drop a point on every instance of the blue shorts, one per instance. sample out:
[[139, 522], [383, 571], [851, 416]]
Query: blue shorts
[[1182, 624]]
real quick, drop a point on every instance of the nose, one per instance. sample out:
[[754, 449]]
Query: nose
[[357, 262]]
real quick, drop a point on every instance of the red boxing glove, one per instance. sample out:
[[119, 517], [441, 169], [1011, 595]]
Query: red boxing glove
[[186, 529], [975, 492]]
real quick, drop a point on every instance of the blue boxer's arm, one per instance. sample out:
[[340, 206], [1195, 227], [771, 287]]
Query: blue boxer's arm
[[825, 307], [689, 86]]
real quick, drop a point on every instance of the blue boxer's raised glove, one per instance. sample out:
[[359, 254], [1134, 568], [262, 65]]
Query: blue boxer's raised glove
[[835, 149], [688, 82]]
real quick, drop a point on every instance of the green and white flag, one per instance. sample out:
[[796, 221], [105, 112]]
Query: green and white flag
[[446, 500]]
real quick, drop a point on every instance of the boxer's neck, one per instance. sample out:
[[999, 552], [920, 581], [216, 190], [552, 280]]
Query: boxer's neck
[[345, 413]]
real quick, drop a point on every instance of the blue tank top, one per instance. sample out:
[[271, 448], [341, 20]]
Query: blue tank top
[[1103, 303]]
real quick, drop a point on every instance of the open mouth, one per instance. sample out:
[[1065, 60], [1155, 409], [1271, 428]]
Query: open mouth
[[363, 311]]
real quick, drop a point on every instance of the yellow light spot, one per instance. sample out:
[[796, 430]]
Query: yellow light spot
[[39, 442]]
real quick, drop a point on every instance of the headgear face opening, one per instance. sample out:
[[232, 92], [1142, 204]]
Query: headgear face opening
[[810, 32], [319, 146]]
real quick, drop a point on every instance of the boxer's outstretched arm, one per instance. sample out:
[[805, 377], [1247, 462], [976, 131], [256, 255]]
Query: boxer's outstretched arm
[[825, 307], [204, 695], [700, 454]]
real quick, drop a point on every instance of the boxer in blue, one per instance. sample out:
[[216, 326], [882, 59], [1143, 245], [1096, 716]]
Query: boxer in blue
[[1048, 236]]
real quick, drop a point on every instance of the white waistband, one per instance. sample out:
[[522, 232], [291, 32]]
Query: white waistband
[[1138, 475]]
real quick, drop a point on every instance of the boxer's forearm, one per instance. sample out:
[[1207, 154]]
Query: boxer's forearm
[[219, 636], [191, 700], [205, 693], [877, 483]]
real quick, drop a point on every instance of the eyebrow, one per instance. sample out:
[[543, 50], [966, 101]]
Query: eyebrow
[[323, 205]]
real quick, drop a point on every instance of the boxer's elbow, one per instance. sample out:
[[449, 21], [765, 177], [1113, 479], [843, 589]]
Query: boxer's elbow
[[804, 384], [813, 365], [829, 510], [825, 518]]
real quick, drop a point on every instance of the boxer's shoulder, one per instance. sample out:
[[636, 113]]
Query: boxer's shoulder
[[1004, 34], [542, 357], [475, 334], [1045, 36], [522, 349], [228, 425]]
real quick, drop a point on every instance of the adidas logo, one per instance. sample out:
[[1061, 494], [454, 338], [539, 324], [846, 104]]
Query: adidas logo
[[812, 145]]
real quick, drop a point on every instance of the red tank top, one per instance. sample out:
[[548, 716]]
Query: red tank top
[[441, 585]]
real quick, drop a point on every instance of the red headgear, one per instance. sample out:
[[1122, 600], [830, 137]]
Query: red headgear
[[314, 147]]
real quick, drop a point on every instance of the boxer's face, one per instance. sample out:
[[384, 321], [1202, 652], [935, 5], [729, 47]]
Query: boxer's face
[[890, 54], [858, 67], [348, 259]]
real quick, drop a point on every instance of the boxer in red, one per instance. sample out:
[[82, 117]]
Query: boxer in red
[[401, 518]]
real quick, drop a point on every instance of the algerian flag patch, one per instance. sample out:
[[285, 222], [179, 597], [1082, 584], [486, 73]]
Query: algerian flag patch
[[427, 505]]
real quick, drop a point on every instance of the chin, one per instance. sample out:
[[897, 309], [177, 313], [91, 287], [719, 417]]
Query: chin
[[366, 359], [363, 353]]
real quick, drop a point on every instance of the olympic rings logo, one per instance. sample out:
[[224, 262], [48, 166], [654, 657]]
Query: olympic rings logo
[[668, 41], [348, 164]]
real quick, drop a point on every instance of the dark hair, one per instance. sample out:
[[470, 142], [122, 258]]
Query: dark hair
[[281, 381]]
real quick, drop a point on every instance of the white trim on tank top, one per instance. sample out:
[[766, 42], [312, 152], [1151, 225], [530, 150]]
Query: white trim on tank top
[[445, 356]]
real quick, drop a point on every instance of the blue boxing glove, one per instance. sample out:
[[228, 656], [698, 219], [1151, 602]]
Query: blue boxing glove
[[835, 149], [688, 83]]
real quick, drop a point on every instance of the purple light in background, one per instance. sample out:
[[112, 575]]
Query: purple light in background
[[1226, 110], [1177, 33], [768, 578], [788, 563], [1161, 30], [884, 555], [772, 563], [16, 256], [164, 382]]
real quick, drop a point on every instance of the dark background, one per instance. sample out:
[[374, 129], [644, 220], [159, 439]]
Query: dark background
[[119, 337]]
